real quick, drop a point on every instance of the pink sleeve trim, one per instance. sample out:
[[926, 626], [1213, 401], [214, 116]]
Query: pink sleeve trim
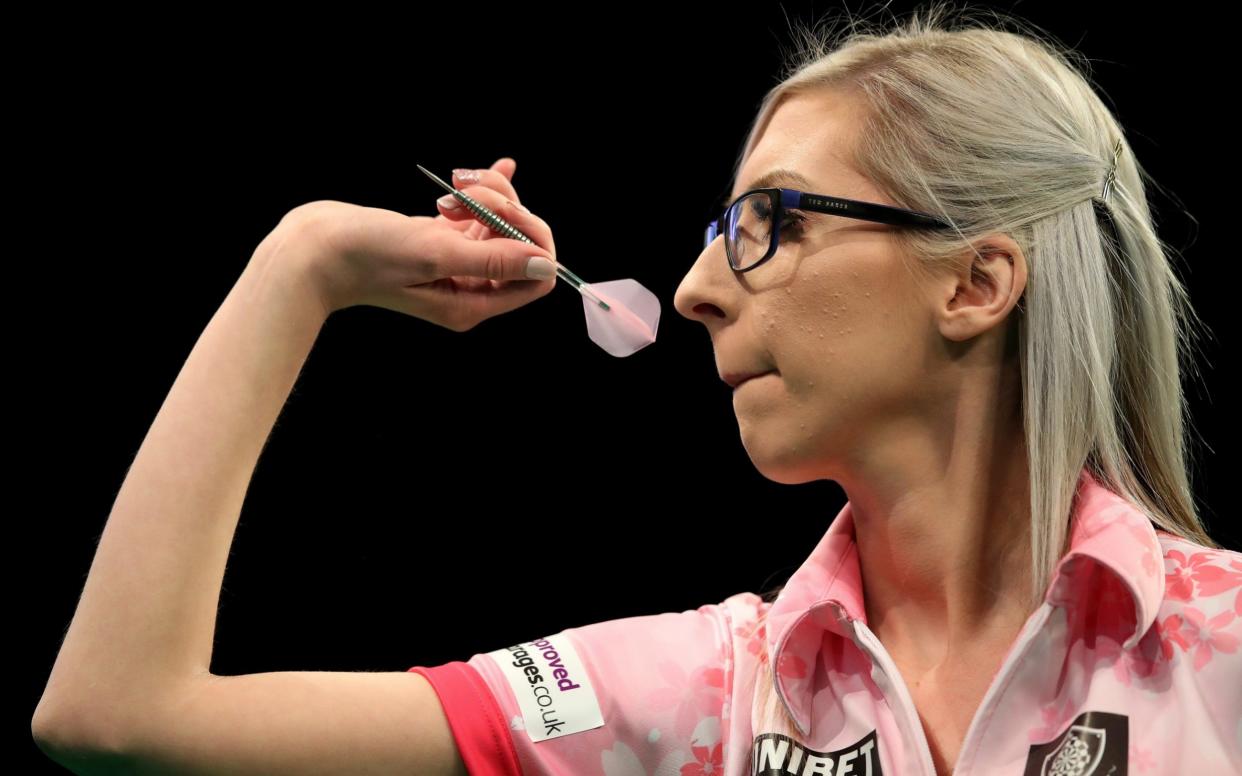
[[474, 716]]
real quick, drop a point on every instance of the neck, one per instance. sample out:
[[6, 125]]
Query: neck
[[943, 542]]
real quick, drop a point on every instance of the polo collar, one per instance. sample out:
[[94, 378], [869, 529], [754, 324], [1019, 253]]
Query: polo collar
[[825, 594]]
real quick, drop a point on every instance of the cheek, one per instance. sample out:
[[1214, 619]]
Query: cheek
[[822, 321], [850, 349], [844, 339]]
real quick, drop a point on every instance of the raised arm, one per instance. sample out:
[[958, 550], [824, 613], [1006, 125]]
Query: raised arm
[[131, 690], [144, 625]]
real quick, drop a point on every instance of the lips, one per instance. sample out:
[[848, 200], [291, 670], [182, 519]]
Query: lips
[[735, 379]]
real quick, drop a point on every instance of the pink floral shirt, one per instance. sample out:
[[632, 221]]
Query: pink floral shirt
[[1132, 664]]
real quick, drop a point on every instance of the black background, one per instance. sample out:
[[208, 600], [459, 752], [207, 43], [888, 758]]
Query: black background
[[426, 494]]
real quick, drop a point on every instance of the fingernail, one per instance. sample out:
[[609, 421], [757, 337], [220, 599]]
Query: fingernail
[[521, 207], [539, 268], [449, 202], [466, 176]]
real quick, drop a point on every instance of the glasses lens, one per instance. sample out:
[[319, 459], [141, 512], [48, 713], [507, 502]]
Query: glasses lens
[[748, 230]]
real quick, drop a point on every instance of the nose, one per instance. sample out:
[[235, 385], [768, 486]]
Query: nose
[[701, 294]]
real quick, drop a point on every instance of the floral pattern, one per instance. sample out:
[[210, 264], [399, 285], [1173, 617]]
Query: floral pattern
[[704, 749], [754, 634], [1052, 717], [1237, 602], [1196, 625], [1196, 577], [1147, 664], [707, 761], [1180, 629], [688, 695], [1204, 635], [673, 718], [1141, 758]]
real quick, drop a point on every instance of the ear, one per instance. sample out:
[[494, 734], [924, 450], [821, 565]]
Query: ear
[[982, 290]]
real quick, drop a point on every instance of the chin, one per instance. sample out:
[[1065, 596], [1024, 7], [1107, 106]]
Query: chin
[[787, 467], [785, 478]]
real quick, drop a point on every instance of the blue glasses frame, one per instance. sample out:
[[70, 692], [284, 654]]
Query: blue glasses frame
[[792, 199]]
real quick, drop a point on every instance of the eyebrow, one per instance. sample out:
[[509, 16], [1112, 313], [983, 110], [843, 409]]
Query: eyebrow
[[779, 177]]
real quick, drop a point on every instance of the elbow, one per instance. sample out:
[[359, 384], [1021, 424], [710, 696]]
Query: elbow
[[54, 742], [75, 739], [81, 759], [45, 726], [56, 746]]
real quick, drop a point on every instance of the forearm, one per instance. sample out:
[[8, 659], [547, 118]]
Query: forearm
[[145, 622]]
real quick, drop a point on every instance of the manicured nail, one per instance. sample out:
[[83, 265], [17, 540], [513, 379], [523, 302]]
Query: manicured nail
[[466, 176], [449, 202], [539, 268]]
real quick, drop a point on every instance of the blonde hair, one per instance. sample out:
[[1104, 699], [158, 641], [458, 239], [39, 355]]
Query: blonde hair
[[999, 131]]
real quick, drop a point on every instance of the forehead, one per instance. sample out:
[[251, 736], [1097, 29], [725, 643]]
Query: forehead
[[806, 145]]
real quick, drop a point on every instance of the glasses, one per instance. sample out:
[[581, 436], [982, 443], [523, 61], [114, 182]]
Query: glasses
[[750, 236]]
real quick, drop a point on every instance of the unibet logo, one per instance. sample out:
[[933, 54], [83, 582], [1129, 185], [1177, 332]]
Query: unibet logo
[[773, 754]]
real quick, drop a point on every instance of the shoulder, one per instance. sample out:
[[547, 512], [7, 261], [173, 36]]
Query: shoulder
[[1197, 576], [743, 609], [1200, 619], [644, 693], [1193, 652], [676, 644]]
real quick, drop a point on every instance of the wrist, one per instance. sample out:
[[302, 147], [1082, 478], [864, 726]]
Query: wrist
[[291, 258]]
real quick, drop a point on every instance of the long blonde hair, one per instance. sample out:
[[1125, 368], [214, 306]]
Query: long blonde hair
[[999, 131]]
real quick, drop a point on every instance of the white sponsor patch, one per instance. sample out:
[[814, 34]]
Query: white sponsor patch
[[551, 686]]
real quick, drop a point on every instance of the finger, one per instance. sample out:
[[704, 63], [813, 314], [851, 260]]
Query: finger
[[451, 207], [500, 258], [492, 178], [496, 259], [458, 216], [528, 224], [505, 165], [460, 224], [505, 297], [474, 302], [454, 209], [496, 178]]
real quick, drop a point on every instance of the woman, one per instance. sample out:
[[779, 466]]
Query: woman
[[995, 387]]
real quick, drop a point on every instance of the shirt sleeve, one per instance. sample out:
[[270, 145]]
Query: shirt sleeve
[[641, 694]]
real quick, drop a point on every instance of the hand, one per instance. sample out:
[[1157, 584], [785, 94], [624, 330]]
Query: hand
[[449, 269]]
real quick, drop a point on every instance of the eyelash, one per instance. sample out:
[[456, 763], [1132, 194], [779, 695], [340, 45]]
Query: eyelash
[[792, 218]]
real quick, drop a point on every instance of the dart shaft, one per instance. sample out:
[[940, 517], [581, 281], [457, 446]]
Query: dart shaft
[[503, 227]]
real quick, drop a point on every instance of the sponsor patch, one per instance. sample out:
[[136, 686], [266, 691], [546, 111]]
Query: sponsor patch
[[551, 685], [1097, 743], [774, 754]]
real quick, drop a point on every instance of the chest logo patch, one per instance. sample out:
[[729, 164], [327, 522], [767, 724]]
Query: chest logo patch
[[1096, 743], [774, 754]]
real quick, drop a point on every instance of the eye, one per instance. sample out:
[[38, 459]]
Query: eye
[[792, 218], [789, 216]]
